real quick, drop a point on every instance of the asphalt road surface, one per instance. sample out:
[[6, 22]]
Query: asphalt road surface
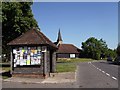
[[97, 75]]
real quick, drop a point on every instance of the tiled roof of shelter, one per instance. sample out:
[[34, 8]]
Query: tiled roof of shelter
[[32, 37]]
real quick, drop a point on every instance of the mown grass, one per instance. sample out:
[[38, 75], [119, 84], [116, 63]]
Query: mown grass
[[66, 67], [69, 65]]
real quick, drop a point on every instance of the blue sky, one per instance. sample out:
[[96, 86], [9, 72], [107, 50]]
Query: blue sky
[[78, 21]]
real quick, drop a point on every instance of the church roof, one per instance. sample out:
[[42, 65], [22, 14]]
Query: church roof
[[32, 37], [68, 48]]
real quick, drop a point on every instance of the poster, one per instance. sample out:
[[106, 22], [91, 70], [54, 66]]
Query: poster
[[32, 61], [18, 62], [38, 52], [16, 57], [14, 51], [21, 53], [14, 65], [28, 57], [38, 61], [28, 62], [35, 59], [15, 60], [22, 62], [18, 52], [35, 52], [23, 50], [31, 54], [21, 58], [28, 52], [25, 55], [39, 48]]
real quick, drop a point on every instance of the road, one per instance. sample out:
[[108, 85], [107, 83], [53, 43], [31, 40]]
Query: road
[[99, 74]]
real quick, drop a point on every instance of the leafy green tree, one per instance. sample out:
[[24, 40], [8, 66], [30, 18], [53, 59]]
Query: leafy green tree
[[17, 18], [95, 49]]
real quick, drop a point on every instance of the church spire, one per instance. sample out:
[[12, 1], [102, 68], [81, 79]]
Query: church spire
[[59, 40], [59, 36]]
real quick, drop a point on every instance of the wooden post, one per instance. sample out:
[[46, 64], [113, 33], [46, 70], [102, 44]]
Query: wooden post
[[11, 64], [54, 62], [45, 62]]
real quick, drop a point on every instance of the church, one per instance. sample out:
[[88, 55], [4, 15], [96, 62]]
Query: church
[[66, 50]]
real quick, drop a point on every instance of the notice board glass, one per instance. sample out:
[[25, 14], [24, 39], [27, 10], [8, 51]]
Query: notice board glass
[[27, 56]]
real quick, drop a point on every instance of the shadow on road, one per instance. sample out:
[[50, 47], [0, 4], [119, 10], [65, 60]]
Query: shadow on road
[[109, 62]]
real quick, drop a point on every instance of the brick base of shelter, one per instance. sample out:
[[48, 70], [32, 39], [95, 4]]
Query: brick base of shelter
[[31, 75]]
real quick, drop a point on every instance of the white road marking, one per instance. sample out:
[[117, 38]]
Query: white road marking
[[107, 74], [114, 78], [89, 62], [104, 72]]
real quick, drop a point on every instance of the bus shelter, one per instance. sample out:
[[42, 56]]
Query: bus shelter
[[32, 54]]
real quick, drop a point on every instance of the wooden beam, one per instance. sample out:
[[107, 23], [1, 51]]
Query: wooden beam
[[54, 62], [11, 59], [45, 62]]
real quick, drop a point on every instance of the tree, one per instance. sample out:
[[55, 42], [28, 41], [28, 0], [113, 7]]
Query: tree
[[95, 49], [17, 18], [118, 50]]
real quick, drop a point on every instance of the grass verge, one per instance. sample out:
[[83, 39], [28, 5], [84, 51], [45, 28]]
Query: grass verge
[[66, 67], [69, 65]]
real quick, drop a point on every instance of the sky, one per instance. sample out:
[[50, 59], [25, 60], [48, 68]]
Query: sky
[[78, 21]]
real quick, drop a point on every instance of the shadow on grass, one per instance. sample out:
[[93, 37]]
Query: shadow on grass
[[6, 75], [5, 65]]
